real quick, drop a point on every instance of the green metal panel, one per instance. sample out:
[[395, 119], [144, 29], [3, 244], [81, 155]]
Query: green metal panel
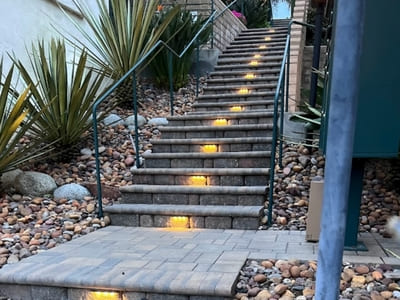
[[378, 119]]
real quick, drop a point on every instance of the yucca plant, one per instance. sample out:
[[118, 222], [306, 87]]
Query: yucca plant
[[16, 120], [120, 34], [180, 31], [63, 92]]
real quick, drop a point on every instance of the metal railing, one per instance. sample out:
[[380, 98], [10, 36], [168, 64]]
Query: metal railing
[[132, 72]]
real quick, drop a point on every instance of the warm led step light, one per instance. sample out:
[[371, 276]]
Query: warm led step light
[[253, 63], [244, 91], [179, 222], [198, 180], [210, 148], [262, 47], [257, 56], [236, 108], [250, 76], [220, 122]]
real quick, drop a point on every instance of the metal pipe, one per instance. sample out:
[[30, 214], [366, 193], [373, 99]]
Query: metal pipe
[[135, 108], [316, 54], [197, 68], [281, 116], [348, 32], [212, 25], [96, 151]]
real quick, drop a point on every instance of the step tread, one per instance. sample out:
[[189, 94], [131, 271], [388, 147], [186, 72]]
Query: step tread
[[235, 95], [238, 86], [213, 141], [184, 189], [215, 128], [201, 171], [246, 59], [229, 80], [237, 66], [213, 115], [186, 210], [233, 103], [243, 72], [248, 154], [225, 111]]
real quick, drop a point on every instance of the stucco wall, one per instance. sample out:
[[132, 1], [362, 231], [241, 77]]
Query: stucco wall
[[307, 65], [25, 21]]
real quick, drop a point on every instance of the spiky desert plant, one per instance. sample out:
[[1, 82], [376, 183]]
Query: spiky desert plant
[[63, 92], [16, 120], [120, 34]]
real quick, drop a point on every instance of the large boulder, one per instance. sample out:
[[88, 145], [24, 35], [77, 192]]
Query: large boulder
[[158, 121], [113, 120], [7, 179], [34, 183], [71, 191], [130, 121]]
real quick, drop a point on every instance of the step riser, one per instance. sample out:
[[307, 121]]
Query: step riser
[[254, 47], [212, 180], [136, 220], [234, 98], [252, 50], [227, 162], [240, 75], [234, 91], [231, 121], [246, 67], [192, 199], [234, 147], [273, 51], [245, 61], [244, 106], [256, 42], [217, 134]]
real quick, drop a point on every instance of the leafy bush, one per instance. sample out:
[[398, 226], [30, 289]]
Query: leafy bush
[[257, 12], [15, 122], [180, 31], [63, 93]]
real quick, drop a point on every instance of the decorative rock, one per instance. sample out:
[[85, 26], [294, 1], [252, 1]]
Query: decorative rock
[[358, 282], [260, 278], [295, 271], [267, 264], [308, 292], [263, 295], [377, 275], [130, 121], [113, 120], [12, 259], [253, 291], [71, 191], [376, 296], [158, 121], [90, 208], [386, 294], [280, 289], [7, 179], [393, 286], [35, 183], [362, 269], [86, 151]]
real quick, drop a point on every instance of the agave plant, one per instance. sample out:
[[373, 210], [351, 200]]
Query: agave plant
[[64, 93], [16, 120], [178, 34], [120, 34]]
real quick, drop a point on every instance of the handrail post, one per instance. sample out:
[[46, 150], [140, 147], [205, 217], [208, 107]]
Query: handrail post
[[197, 67], [282, 103], [171, 84], [97, 160], [212, 24], [135, 108]]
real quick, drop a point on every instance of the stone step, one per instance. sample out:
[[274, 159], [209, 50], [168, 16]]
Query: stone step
[[246, 60], [235, 97], [243, 159], [232, 118], [193, 132], [254, 47], [222, 145], [256, 42], [193, 195], [267, 79], [227, 106], [239, 74], [212, 177], [260, 36], [249, 54], [249, 87], [262, 31], [248, 67], [257, 30], [185, 216]]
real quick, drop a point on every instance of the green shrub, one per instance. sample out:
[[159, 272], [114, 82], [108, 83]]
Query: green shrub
[[180, 31], [15, 122], [63, 93], [257, 12]]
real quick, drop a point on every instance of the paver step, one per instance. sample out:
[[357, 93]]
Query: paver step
[[254, 47], [243, 159], [190, 216], [232, 97], [245, 106], [222, 145], [246, 60], [242, 73], [259, 36], [193, 195], [263, 31], [248, 67], [213, 177], [215, 89], [233, 118], [192, 132], [256, 79], [256, 30], [257, 42], [267, 51]]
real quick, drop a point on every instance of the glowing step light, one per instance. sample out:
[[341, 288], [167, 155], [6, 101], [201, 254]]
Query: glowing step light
[[179, 222], [272, 30], [236, 108], [244, 91], [267, 38], [221, 122], [249, 76], [210, 148], [198, 180], [103, 296], [262, 47], [254, 63], [257, 56]]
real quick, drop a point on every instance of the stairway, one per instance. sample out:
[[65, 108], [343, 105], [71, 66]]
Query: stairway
[[210, 169]]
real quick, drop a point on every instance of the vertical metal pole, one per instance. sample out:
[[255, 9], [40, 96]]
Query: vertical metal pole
[[212, 25], [341, 123], [281, 117], [316, 54], [171, 82], [288, 69], [96, 157], [135, 108], [197, 66]]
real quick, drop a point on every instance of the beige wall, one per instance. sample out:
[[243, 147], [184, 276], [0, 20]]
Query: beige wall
[[307, 64]]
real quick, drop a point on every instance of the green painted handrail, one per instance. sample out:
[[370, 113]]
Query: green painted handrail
[[132, 72]]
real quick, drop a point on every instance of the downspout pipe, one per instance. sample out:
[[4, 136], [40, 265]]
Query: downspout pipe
[[348, 33]]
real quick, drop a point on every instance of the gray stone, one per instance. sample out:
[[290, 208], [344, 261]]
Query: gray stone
[[12, 259], [7, 179], [158, 121], [86, 151], [34, 183], [113, 120], [130, 121], [71, 191]]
